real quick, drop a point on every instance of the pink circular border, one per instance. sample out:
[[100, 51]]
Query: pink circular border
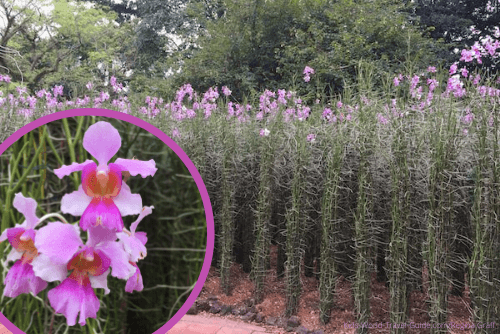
[[180, 153]]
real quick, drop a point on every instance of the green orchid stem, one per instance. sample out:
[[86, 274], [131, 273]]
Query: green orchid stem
[[54, 151], [71, 146], [14, 188], [50, 215], [178, 299], [28, 169], [15, 164]]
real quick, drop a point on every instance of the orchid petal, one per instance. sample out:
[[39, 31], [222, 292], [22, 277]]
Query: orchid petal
[[133, 246], [89, 261], [102, 211], [135, 282], [100, 234], [71, 298], [48, 270], [14, 235], [134, 167], [111, 185], [76, 202], [28, 234], [27, 206], [120, 266], [102, 141], [14, 255], [74, 167], [58, 241], [147, 210], [128, 203], [3, 236], [142, 237], [21, 279], [100, 282]]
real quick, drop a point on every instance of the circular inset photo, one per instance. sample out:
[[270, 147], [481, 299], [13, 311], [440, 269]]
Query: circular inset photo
[[106, 226]]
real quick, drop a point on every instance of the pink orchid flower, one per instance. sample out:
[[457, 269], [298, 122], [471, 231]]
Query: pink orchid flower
[[103, 198], [62, 251], [134, 244], [21, 277]]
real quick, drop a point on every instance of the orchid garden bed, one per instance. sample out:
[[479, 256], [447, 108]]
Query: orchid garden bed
[[381, 180]]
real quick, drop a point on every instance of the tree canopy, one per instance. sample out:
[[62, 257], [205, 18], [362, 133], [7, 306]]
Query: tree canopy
[[71, 44], [259, 44]]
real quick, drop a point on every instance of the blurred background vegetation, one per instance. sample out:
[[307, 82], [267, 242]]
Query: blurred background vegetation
[[176, 230]]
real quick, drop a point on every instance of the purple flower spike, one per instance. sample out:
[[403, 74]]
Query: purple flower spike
[[61, 244]]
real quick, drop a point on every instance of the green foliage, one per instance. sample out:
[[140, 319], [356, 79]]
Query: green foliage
[[227, 209], [295, 222], [451, 21], [71, 45], [335, 146], [261, 44], [443, 148], [400, 229], [485, 222]]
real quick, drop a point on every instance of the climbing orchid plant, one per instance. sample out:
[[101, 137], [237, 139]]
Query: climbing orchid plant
[[56, 252]]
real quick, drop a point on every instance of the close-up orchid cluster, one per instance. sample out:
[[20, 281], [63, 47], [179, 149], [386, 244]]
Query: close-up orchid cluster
[[56, 252]]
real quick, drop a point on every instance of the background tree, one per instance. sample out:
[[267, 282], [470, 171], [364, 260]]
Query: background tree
[[452, 20], [260, 44], [70, 44]]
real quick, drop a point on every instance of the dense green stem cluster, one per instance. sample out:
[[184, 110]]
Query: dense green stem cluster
[[484, 277], [263, 217], [330, 227], [295, 224], [400, 215]]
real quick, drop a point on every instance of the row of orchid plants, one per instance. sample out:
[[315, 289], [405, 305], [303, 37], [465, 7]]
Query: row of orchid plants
[[188, 105], [420, 90]]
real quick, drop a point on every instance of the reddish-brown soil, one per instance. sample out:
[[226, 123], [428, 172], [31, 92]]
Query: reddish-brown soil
[[342, 314]]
